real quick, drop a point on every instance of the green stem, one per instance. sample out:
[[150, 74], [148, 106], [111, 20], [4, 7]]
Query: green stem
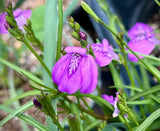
[[86, 104], [100, 21], [56, 122], [37, 56], [130, 128], [158, 3], [130, 76], [91, 113], [60, 26], [99, 92]]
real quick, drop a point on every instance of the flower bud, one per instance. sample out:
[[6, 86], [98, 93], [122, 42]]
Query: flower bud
[[37, 103], [70, 19], [75, 35], [83, 35], [77, 27], [90, 11]]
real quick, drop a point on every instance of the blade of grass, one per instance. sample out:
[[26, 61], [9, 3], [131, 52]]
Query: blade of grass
[[115, 75], [144, 93], [20, 70], [145, 124], [60, 26], [17, 97], [13, 94], [128, 87], [140, 102], [27, 119], [16, 112], [50, 46]]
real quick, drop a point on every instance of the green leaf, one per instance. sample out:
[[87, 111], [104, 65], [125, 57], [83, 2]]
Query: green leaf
[[149, 101], [26, 94], [145, 124], [155, 98], [154, 69], [115, 76], [128, 87], [144, 93], [27, 119], [50, 46], [17, 112], [20, 70]]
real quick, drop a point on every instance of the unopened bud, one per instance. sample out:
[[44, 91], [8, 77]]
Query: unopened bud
[[75, 35], [37, 103], [90, 11], [77, 27], [83, 35], [70, 19]]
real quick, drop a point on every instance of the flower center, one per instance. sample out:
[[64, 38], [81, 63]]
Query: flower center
[[73, 64]]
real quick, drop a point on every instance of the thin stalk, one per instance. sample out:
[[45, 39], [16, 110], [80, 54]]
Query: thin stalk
[[13, 94], [130, 76], [100, 21], [86, 104], [130, 128], [88, 111], [98, 90], [37, 56], [56, 122], [91, 113], [158, 3], [60, 26]]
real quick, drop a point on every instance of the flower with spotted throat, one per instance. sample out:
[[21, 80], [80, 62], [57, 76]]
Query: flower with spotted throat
[[75, 71]]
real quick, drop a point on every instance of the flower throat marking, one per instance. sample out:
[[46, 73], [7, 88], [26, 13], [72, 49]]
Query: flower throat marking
[[73, 64]]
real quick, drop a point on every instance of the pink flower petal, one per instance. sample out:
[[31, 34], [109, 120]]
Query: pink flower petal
[[89, 74], [26, 14], [102, 59], [79, 50], [70, 84], [108, 98], [2, 23], [139, 29], [59, 68], [141, 46]]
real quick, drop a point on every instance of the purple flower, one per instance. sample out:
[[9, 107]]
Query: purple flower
[[104, 53], [20, 17], [139, 29], [75, 71], [112, 100], [142, 40]]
